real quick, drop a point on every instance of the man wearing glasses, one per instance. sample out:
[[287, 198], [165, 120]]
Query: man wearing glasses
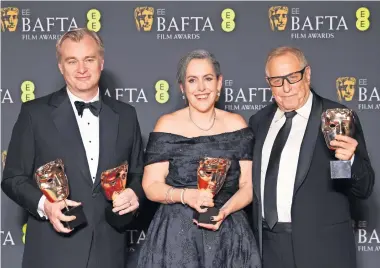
[[302, 216]]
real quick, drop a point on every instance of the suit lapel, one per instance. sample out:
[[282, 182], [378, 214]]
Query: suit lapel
[[65, 122], [261, 133], [108, 129], [307, 147]]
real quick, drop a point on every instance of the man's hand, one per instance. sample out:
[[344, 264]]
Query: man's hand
[[125, 202], [345, 147], [55, 215]]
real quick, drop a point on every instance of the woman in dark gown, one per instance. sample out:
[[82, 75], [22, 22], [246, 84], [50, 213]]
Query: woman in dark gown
[[180, 140]]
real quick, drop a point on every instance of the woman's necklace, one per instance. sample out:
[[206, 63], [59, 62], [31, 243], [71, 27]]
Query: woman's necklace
[[213, 122]]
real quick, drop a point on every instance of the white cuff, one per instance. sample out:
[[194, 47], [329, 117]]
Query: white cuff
[[40, 209], [352, 159]]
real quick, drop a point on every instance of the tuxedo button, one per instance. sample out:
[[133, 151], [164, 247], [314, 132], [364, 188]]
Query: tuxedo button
[[94, 195]]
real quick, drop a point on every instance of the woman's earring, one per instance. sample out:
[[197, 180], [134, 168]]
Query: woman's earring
[[184, 98]]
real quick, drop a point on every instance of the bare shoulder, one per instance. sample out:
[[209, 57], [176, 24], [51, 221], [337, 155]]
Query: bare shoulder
[[168, 122], [232, 121]]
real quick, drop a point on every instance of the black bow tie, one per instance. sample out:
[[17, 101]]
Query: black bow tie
[[93, 106]]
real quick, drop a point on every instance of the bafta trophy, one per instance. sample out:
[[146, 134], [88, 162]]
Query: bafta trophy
[[113, 182], [53, 182], [338, 121], [212, 173]]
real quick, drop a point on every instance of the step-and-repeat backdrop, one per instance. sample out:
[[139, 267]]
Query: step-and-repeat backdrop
[[145, 40]]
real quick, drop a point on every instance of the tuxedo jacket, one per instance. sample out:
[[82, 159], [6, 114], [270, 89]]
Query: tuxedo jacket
[[322, 232], [46, 129]]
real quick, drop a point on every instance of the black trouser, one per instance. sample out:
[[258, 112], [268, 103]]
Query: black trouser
[[278, 246]]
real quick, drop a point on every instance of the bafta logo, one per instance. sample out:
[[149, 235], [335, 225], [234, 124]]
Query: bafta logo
[[345, 87], [9, 19], [3, 158], [278, 17], [144, 18]]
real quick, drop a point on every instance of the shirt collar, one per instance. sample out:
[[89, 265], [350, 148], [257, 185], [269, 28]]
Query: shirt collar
[[74, 98], [304, 111]]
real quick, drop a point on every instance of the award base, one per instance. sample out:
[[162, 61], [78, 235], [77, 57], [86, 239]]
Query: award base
[[340, 169], [206, 216], [119, 222], [80, 217]]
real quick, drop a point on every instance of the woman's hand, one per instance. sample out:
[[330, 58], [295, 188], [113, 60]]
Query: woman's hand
[[218, 219], [198, 198]]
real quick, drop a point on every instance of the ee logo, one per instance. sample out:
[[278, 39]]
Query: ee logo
[[362, 22], [24, 232], [93, 17], [162, 94], [27, 89], [228, 23]]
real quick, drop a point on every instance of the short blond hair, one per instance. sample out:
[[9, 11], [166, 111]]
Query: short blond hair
[[280, 51], [77, 35]]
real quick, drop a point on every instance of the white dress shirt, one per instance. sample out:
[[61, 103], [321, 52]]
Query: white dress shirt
[[289, 157], [89, 130]]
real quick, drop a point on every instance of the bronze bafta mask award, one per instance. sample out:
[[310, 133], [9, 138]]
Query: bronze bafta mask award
[[52, 181], [113, 182], [212, 173], [338, 121]]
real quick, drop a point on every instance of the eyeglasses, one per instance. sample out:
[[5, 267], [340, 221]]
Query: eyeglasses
[[292, 78]]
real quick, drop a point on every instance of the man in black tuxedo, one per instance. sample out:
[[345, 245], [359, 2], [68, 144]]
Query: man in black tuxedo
[[90, 133], [301, 215]]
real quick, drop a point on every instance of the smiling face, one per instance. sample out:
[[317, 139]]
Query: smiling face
[[81, 64], [289, 97], [201, 85]]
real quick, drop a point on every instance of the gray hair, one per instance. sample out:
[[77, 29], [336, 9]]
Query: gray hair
[[280, 51], [196, 54], [77, 35]]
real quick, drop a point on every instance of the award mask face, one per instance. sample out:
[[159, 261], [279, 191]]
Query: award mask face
[[212, 173], [337, 121], [114, 180], [52, 181]]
